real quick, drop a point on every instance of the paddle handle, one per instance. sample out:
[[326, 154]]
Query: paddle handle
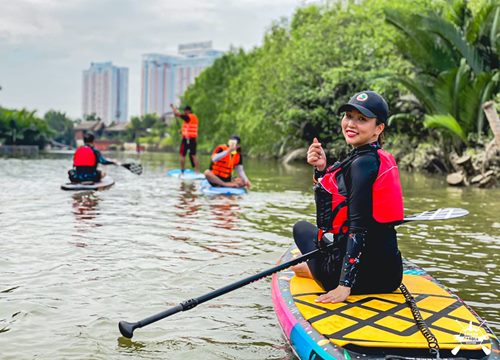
[[161, 315]]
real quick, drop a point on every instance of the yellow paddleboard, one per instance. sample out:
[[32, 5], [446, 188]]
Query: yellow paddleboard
[[379, 325]]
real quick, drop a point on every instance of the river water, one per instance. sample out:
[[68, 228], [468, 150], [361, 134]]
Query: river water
[[74, 264]]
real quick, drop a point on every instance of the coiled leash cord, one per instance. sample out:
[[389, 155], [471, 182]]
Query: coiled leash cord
[[421, 324]]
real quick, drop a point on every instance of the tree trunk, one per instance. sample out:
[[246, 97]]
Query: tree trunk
[[476, 179], [465, 162], [455, 179], [488, 180], [491, 155], [492, 116]]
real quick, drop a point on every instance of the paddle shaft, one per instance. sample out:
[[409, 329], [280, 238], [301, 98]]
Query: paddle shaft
[[127, 328]]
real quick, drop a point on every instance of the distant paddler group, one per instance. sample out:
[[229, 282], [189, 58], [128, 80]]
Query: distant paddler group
[[224, 159]]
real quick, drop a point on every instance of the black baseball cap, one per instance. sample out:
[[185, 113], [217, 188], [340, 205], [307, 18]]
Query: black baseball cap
[[187, 107], [235, 137], [368, 103]]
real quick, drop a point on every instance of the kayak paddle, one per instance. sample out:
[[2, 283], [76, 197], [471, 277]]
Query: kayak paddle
[[133, 167]]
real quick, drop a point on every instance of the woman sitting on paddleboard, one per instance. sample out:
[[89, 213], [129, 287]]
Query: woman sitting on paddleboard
[[225, 158], [358, 200]]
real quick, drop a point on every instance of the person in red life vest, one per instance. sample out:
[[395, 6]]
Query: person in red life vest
[[358, 202], [225, 158], [85, 161], [189, 132]]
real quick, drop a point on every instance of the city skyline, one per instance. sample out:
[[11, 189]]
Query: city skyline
[[44, 45]]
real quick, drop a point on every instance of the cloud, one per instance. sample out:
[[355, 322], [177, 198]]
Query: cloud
[[23, 21], [46, 44]]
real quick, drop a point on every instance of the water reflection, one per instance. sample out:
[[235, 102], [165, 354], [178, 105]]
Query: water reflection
[[85, 205], [188, 203], [225, 212]]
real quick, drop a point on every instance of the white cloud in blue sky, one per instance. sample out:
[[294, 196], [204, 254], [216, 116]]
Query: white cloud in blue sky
[[46, 44]]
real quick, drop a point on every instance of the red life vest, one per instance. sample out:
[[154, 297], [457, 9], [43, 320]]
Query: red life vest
[[190, 128], [84, 156], [387, 195], [224, 167]]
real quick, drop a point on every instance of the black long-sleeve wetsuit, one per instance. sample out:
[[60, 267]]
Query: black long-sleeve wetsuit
[[373, 249]]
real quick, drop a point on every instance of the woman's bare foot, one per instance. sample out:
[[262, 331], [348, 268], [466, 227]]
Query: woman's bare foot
[[302, 270]]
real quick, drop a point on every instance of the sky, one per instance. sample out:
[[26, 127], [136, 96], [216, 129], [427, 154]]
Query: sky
[[46, 44]]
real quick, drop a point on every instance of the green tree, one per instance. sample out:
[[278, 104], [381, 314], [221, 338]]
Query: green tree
[[92, 117], [455, 58], [210, 98], [62, 126], [23, 127], [145, 125]]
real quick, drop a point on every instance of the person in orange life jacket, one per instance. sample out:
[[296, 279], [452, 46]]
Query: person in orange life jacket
[[189, 133], [85, 161], [358, 201], [224, 159]]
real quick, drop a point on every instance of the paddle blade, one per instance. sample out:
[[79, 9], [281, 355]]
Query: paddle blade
[[133, 167], [438, 214]]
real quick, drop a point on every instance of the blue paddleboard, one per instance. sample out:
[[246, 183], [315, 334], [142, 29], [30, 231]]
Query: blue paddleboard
[[188, 174], [208, 189]]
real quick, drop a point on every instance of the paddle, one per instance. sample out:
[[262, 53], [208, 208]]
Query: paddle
[[133, 167], [438, 214], [127, 328]]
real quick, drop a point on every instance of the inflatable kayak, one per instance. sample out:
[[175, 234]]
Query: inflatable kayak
[[105, 183], [188, 174], [207, 189], [379, 326]]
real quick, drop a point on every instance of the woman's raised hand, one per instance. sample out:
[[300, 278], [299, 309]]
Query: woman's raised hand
[[316, 155]]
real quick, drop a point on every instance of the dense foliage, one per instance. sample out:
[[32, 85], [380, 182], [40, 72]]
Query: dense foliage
[[286, 92], [23, 127], [454, 52], [431, 59]]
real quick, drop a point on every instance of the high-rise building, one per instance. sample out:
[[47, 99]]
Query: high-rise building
[[105, 92], [166, 77]]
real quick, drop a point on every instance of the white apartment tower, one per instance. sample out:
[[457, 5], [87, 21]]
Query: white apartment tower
[[105, 92], [166, 77]]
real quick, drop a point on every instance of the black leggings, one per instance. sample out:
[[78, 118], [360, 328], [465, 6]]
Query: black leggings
[[326, 267], [374, 276]]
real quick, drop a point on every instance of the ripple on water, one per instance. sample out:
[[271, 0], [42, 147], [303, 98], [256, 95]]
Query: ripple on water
[[74, 264]]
